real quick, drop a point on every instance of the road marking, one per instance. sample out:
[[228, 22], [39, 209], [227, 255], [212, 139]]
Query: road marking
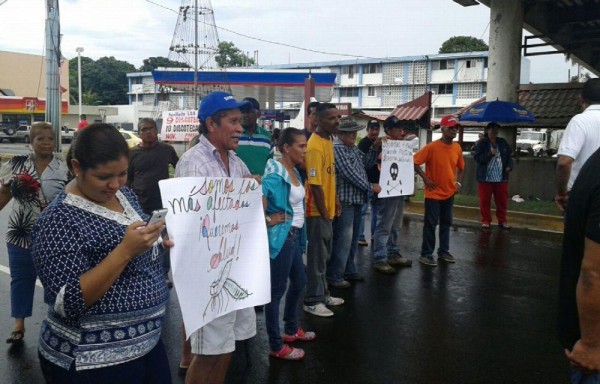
[[7, 271]]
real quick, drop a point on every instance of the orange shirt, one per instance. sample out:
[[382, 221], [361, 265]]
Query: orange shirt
[[441, 161]]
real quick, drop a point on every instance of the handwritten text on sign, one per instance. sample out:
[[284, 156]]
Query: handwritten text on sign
[[179, 125], [397, 176], [220, 260]]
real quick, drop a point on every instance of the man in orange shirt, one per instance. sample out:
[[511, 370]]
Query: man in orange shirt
[[441, 158]]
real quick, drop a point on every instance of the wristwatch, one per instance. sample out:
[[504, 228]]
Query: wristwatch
[[268, 219]]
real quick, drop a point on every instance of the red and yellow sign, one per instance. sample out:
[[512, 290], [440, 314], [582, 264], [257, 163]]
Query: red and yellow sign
[[27, 105]]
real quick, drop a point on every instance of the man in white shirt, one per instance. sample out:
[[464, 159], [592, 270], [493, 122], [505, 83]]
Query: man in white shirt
[[580, 141]]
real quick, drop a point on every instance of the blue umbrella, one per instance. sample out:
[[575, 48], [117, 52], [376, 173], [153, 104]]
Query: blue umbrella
[[498, 112]]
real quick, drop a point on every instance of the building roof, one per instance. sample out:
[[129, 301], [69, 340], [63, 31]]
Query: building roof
[[415, 110], [553, 105], [382, 60]]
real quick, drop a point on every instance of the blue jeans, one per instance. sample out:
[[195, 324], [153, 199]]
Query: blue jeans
[[318, 251], [345, 243], [387, 233], [363, 217], [578, 377], [373, 201], [22, 281], [437, 211], [287, 264]]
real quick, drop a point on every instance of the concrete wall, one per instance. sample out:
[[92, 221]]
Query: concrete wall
[[533, 177]]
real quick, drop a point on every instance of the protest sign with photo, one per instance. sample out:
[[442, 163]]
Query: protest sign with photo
[[397, 176]]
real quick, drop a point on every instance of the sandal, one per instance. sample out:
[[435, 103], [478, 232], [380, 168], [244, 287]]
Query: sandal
[[300, 335], [288, 353], [16, 337]]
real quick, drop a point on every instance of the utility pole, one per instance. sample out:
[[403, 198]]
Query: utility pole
[[53, 57]]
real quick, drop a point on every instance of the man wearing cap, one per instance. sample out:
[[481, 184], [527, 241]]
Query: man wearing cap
[[322, 206], [365, 145], [389, 211], [214, 155], [255, 146], [442, 158], [352, 188]]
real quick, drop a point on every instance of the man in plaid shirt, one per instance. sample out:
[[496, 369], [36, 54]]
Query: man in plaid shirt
[[352, 188]]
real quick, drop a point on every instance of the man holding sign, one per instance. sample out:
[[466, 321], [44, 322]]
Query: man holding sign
[[390, 201], [220, 131]]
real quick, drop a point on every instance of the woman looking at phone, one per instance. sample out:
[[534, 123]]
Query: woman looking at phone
[[99, 264], [283, 198]]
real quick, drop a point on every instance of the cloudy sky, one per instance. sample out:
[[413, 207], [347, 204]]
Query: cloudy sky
[[133, 30]]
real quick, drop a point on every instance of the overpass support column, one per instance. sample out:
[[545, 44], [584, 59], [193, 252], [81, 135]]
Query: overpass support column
[[504, 62]]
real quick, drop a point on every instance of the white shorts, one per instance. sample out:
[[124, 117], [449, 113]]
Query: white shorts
[[219, 336]]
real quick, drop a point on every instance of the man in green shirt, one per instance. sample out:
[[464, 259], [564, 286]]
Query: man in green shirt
[[254, 147]]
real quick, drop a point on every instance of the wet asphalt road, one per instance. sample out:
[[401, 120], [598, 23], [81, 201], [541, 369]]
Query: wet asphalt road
[[489, 318]]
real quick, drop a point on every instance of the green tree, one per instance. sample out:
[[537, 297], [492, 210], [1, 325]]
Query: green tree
[[231, 56], [457, 44], [151, 63], [86, 64], [103, 81]]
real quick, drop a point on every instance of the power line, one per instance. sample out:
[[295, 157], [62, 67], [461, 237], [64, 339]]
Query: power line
[[274, 42]]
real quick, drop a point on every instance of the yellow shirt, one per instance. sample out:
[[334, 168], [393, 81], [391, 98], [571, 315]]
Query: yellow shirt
[[320, 171]]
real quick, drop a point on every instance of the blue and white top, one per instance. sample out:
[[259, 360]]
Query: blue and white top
[[72, 236]]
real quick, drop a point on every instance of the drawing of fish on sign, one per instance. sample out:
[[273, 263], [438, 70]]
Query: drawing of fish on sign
[[222, 289]]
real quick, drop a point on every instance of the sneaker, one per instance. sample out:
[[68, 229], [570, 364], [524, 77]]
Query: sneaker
[[384, 268], [355, 277], [340, 284], [363, 242], [300, 335], [504, 226], [485, 226], [318, 310], [428, 260], [399, 261], [447, 257], [333, 301]]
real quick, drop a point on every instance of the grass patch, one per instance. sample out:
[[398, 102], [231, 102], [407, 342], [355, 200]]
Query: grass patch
[[528, 206]]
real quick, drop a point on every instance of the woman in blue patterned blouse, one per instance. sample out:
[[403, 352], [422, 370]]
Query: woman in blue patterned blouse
[[101, 272], [32, 181]]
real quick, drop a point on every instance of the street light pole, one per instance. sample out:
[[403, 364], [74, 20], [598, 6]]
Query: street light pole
[[79, 50]]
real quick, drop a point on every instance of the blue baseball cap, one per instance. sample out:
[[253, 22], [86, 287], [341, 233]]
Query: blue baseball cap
[[218, 101]]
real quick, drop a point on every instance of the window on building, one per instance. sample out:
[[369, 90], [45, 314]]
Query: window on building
[[371, 91], [471, 63], [349, 70], [372, 68], [349, 92], [444, 89], [443, 64]]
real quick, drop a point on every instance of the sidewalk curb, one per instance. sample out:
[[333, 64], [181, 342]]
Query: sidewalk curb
[[532, 221]]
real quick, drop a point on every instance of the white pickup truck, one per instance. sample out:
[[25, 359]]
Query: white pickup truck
[[21, 133]]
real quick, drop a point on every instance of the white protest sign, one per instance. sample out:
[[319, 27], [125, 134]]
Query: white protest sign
[[179, 125], [220, 259], [397, 177]]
